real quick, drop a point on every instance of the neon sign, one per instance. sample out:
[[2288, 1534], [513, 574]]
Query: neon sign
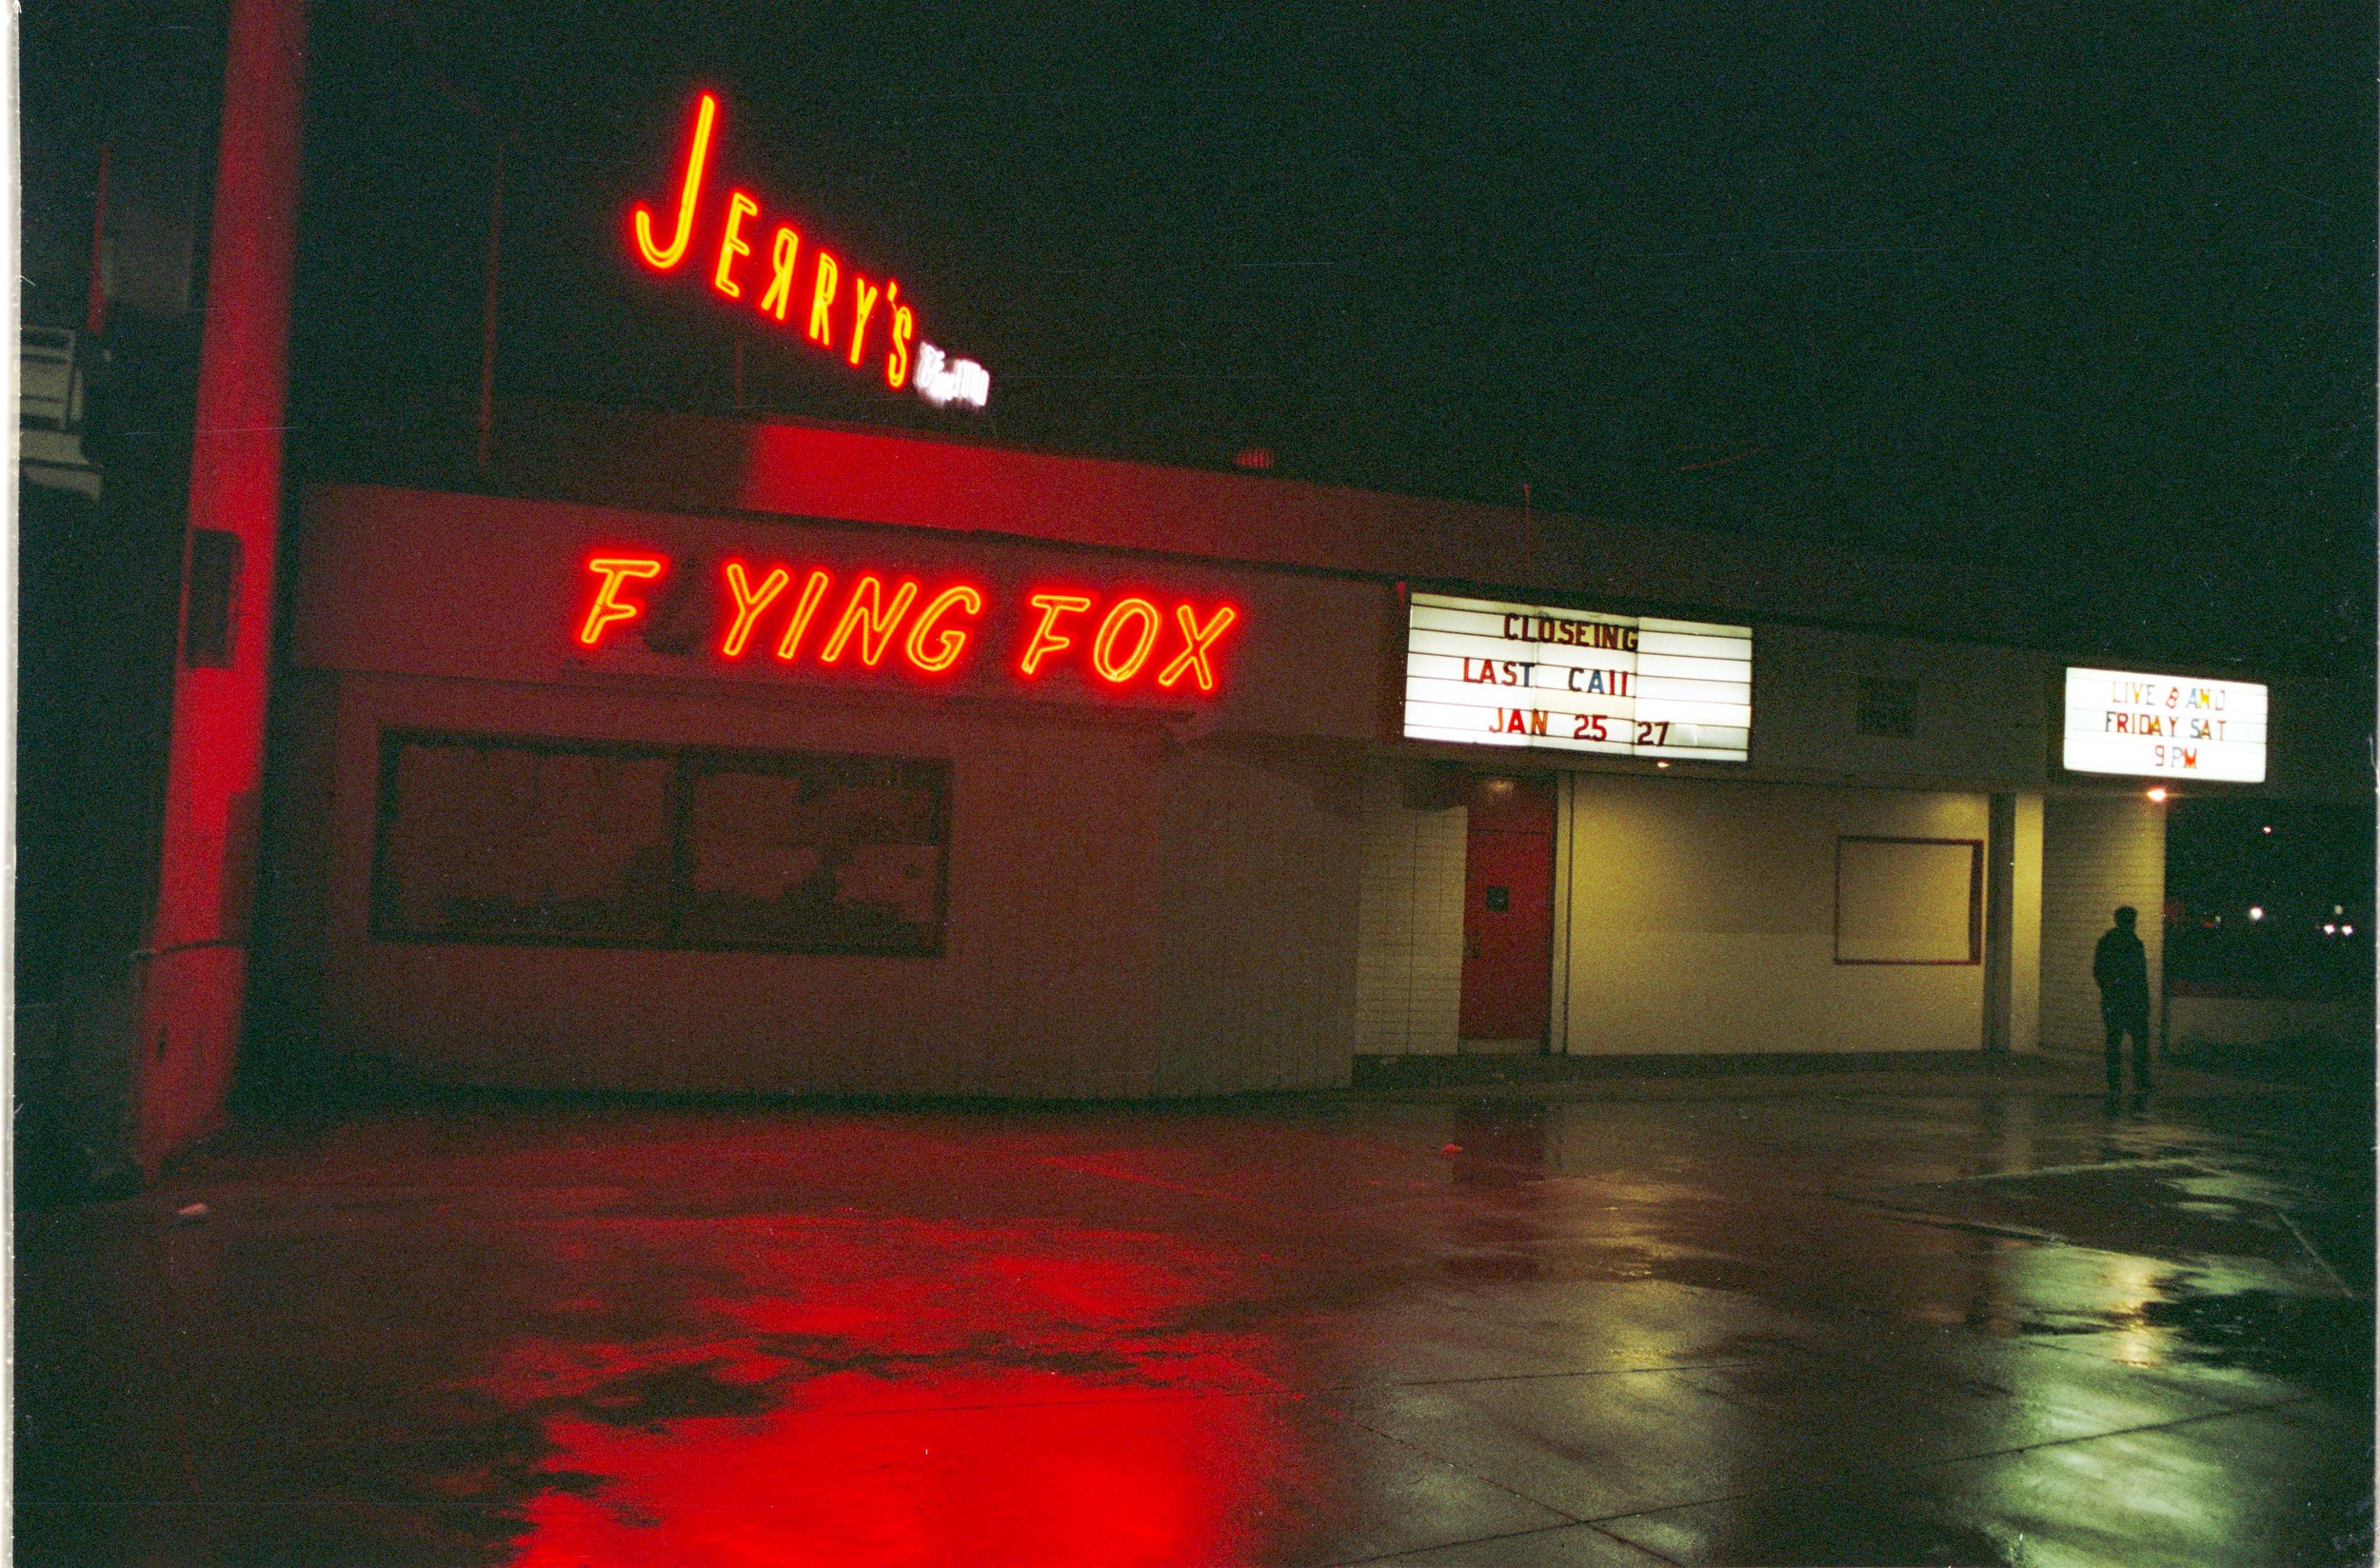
[[763, 264], [878, 621]]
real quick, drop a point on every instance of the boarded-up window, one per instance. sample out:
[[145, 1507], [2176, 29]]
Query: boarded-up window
[[1908, 901], [485, 840]]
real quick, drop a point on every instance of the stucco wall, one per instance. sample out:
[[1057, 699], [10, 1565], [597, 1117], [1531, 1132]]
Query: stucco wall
[[1702, 916], [1253, 956]]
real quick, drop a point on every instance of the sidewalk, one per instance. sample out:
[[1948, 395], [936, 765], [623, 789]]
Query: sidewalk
[[1937, 1316], [1753, 1076]]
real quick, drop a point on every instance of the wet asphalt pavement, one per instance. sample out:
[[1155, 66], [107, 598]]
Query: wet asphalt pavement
[[1923, 1325]]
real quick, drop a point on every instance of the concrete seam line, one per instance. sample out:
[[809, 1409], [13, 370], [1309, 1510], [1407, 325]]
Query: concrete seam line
[[1885, 1472], [2053, 1342], [1535, 1376], [1435, 1457], [1508, 1534], [2315, 1253], [2171, 1162]]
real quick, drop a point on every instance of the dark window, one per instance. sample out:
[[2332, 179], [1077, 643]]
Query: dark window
[[1888, 705], [485, 839]]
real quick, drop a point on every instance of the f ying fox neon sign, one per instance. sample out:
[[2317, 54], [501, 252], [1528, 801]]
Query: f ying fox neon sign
[[1125, 639], [834, 306]]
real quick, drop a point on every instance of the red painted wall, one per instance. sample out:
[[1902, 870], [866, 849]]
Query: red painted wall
[[194, 968]]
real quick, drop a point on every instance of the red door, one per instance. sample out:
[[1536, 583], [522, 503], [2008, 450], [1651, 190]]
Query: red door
[[1508, 911]]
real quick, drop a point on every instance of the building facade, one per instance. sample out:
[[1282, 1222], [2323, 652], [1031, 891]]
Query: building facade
[[795, 759]]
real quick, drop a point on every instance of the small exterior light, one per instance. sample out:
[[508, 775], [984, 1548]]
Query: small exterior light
[[2329, 928], [2268, 828], [2255, 911], [1661, 764], [2347, 930], [2158, 794]]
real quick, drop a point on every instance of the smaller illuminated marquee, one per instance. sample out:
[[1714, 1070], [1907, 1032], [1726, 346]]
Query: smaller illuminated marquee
[[766, 265], [1485, 672], [2165, 727], [873, 620]]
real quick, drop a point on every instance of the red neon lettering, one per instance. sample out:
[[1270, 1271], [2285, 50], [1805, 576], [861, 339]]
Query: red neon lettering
[[607, 608], [740, 206], [660, 258], [1103, 646], [812, 592], [1192, 661], [1046, 638], [875, 624], [749, 603], [949, 641], [862, 301], [904, 326], [779, 291], [822, 295]]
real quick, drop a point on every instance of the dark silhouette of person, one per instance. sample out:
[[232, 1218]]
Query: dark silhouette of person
[[2120, 965]]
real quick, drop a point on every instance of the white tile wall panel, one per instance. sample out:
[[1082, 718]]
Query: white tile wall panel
[[2097, 852], [1409, 923]]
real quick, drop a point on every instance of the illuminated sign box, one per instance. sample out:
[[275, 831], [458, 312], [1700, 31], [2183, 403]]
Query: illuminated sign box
[[2165, 727], [1483, 672]]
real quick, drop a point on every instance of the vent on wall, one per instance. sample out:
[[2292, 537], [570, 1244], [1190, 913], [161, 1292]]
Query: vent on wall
[[1888, 705]]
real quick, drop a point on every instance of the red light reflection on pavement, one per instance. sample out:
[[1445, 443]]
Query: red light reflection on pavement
[[1097, 1483], [897, 1391]]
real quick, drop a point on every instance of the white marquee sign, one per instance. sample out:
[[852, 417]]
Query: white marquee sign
[[1489, 673], [2169, 727]]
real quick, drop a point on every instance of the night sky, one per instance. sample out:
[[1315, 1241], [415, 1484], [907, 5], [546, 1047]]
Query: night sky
[[2080, 293]]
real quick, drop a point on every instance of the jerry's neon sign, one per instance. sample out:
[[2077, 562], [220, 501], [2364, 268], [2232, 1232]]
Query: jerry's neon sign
[[835, 307], [1121, 642]]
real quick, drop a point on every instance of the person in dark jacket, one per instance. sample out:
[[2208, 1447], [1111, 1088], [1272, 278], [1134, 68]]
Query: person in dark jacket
[[2121, 967]]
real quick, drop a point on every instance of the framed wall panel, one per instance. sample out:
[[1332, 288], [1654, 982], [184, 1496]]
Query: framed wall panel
[[1908, 901]]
